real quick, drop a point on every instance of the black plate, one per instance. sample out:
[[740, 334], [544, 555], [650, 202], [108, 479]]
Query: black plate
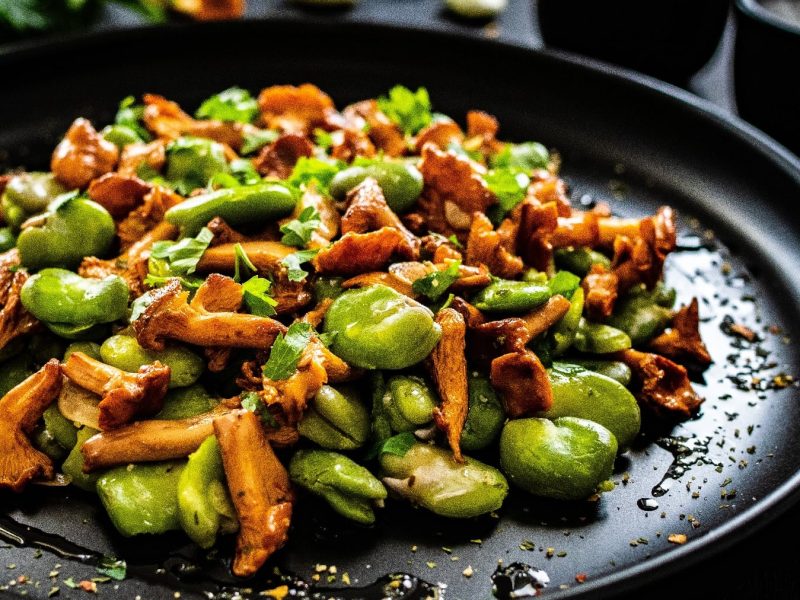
[[628, 140]]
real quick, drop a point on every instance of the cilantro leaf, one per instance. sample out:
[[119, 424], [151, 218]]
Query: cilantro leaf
[[286, 351], [243, 267], [252, 402], [410, 110], [256, 140], [293, 261], [113, 568], [177, 259], [510, 186], [233, 104], [255, 292], [297, 232], [435, 284], [318, 171]]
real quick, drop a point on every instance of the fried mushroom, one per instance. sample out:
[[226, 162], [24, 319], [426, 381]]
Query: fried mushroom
[[82, 155]]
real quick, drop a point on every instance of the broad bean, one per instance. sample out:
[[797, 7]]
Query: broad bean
[[336, 419], [125, 353], [511, 296], [400, 182]]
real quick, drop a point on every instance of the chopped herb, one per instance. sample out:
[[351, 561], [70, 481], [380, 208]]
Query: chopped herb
[[293, 261], [141, 303], [297, 232], [113, 568], [256, 140], [398, 444], [243, 267], [313, 170], [233, 104], [252, 402], [53, 591], [255, 292], [527, 545], [131, 115], [178, 259], [322, 138], [243, 172], [435, 284], [410, 110], [286, 351], [70, 583], [510, 186], [454, 240], [564, 283]]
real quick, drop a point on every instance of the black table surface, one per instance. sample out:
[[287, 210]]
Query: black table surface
[[764, 565]]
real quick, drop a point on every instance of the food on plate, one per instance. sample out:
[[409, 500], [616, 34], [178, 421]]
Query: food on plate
[[273, 299]]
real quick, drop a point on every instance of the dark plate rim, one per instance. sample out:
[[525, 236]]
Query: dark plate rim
[[753, 9], [739, 527]]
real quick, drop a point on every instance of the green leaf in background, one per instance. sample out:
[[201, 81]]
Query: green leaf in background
[[233, 104], [410, 110]]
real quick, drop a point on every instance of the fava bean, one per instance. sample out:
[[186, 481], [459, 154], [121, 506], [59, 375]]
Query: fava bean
[[185, 402], [13, 372], [566, 459], [8, 239], [580, 260], [72, 228], [120, 135], [142, 498], [485, 417], [528, 155], [564, 332], [73, 465], [88, 348], [336, 420], [379, 328], [578, 392], [60, 428], [429, 477], [596, 338], [400, 182], [125, 353], [63, 297], [616, 370], [511, 296], [245, 205], [640, 317], [28, 194], [203, 502], [408, 402], [350, 489]]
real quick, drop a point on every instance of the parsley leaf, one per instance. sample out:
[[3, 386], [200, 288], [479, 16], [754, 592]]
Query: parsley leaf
[[564, 283], [70, 583], [297, 232], [454, 240], [308, 170], [177, 259], [510, 186], [435, 284], [398, 445], [243, 267], [113, 568], [255, 292], [286, 351], [527, 156], [252, 402], [131, 115], [293, 261], [410, 110], [256, 140], [233, 104]]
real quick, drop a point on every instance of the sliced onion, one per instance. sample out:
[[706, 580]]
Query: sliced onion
[[79, 405], [60, 480]]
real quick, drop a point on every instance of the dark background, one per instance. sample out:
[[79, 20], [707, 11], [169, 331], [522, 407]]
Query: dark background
[[764, 565]]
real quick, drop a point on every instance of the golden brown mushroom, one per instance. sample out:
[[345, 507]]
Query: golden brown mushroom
[[600, 289], [210, 10], [382, 131], [441, 134], [522, 381], [259, 487], [265, 256], [15, 321], [82, 155], [147, 217], [352, 144], [664, 388], [682, 343], [296, 109], [356, 253], [20, 410], [482, 131], [152, 155], [485, 247], [125, 395], [169, 316], [118, 194], [448, 367], [279, 158]]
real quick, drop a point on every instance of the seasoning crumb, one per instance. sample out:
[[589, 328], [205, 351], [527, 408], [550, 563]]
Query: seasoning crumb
[[549, 553], [447, 550], [87, 586], [527, 545], [431, 564], [468, 572], [279, 592], [580, 577], [413, 548], [677, 538], [54, 591], [320, 568], [476, 541], [346, 578]]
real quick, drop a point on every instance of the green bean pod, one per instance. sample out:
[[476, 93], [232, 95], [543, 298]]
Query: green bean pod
[[597, 338]]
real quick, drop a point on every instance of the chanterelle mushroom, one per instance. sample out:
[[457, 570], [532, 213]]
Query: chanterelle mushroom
[[82, 155], [14, 319], [125, 395], [169, 316], [20, 409], [259, 487]]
